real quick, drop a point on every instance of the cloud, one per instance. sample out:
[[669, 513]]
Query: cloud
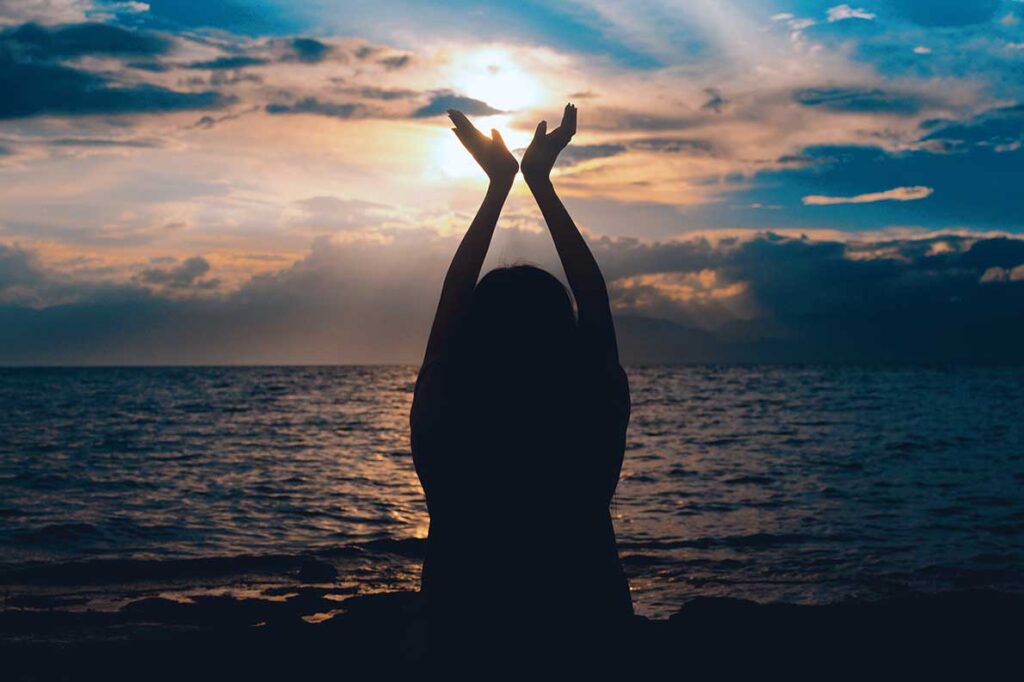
[[18, 267], [895, 194], [997, 128], [96, 142], [188, 274], [36, 89], [232, 62], [615, 119], [308, 50], [47, 11], [397, 61], [859, 100], [716, 102], [383, 94], [35, 82], [579, 153], [998, 274], [758, 297], [843, 12], [439, 104], [672, 145], [37, 42], [442, 101], [332, 214], [389, 59], [311, 105]]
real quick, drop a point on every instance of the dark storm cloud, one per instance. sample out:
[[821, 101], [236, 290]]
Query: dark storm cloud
[[858, 100], [442, 101], [37, 42], [311, 105], [945, 298]]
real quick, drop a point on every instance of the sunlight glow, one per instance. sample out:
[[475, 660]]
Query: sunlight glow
[[494, 77], [491, 75], [451, 159]]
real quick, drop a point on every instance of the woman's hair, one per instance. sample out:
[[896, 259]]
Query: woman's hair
[[518, 370], [521, 315]]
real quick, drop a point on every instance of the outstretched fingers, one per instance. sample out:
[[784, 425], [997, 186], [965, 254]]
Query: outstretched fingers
[[464, 128], [460, 120], [465, 139], [569, 119], [498, 139], [540, 133]]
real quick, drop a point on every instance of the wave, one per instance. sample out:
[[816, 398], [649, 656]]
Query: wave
[[752, 541], [117, 571]]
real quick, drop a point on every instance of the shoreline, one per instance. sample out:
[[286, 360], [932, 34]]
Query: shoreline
[[310, 630]]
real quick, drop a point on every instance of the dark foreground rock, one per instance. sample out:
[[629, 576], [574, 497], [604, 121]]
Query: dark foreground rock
[[971, 635]]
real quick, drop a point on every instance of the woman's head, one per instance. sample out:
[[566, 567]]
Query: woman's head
[[521, 317]]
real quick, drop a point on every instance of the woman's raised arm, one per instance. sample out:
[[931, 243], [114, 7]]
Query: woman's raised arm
[[501, 167], [585, 278]]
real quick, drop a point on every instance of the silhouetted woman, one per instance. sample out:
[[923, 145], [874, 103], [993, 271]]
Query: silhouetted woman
[[519, 423]]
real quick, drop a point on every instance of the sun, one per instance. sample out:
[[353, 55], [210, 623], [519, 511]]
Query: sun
[[492, 76]]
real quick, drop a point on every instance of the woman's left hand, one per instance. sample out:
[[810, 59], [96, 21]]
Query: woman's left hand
[[490, 152], [543, 151]]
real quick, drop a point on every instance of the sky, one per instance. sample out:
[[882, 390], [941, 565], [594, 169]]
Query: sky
[[276, 182]]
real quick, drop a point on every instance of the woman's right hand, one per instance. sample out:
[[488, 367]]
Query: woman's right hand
[[540, 156], [490, 152]]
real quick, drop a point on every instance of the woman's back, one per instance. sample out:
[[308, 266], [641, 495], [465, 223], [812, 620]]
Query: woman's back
[[518, 476]]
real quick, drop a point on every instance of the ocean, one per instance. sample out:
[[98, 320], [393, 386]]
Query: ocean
[[802, 484]]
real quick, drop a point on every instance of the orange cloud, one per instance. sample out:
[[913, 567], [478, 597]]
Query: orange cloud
[[895, 194]]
